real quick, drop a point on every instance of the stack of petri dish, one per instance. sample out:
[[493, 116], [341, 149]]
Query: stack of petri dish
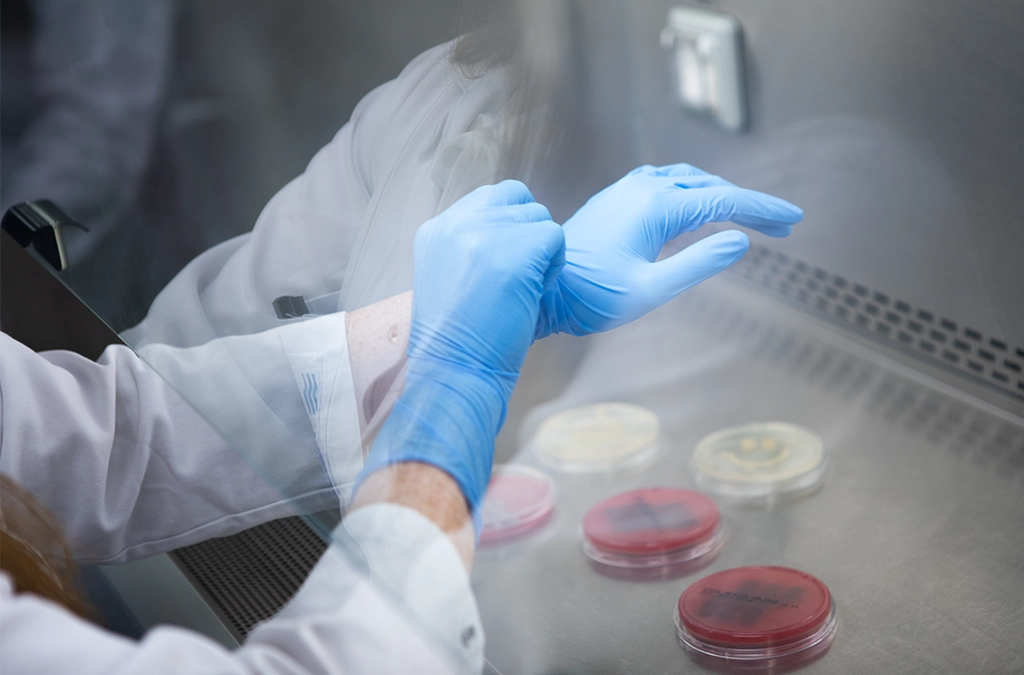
[[597, 438], [519, 501], [756, 619], [652, 533], [757, 461]]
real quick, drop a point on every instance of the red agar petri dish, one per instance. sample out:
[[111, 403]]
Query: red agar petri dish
[[519, 500], [651, 528], [751, 616]]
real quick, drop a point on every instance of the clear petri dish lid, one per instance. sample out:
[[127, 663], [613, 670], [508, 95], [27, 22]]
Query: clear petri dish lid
[[597, 438], [759, 460], [756, 615], [519, 501], [652, 528]]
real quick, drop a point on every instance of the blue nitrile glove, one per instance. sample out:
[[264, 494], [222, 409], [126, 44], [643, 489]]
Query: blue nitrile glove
[[479, 271], [611, 244]]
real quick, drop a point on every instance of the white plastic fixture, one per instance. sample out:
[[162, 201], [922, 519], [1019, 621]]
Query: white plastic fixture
[[707, 60]]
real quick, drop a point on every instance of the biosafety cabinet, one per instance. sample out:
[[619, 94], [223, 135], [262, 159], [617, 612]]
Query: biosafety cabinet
[[871, 364]]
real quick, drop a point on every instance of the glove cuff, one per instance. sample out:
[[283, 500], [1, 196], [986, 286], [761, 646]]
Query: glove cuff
[[447, 416]]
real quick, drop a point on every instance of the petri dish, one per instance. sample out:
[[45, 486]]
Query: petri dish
[[759, 460], [596, 438], [653, 528], [750, 617], [519, 501]]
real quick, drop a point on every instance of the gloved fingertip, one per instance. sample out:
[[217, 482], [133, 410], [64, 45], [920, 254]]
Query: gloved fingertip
[[700, 260], [791, 212], [731, 243], [775, 229], [776, 209]]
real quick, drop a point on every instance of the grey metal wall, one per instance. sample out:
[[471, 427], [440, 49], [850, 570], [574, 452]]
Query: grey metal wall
[[897, 125]]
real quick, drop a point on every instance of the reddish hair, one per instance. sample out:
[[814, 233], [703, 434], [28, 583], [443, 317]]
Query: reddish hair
[[33, 551]]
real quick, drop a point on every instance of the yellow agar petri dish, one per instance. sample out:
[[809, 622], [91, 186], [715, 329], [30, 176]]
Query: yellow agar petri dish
[[759, 460], [596, 438]]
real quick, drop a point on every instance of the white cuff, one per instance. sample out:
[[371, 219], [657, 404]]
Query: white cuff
[[317, 349], [410, 555]]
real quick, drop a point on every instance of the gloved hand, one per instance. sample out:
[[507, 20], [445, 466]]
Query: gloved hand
[[479, 271], [611, 244]]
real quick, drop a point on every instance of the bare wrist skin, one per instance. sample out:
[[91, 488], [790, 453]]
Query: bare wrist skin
[[378, 336], [428, 490]]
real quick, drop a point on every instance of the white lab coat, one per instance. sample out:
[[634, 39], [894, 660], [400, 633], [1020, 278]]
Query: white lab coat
[[129, 470]]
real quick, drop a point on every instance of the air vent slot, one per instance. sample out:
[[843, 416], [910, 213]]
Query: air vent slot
[[935, 338]]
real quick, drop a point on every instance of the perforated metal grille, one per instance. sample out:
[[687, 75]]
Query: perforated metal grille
[[249, 576], [935, 338]]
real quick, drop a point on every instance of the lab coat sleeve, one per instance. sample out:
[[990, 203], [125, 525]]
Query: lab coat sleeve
[[284, 398], [302, 241], [338, 622], [129, 468]]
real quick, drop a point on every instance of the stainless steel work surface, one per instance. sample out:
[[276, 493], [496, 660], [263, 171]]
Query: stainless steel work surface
[[918, 529]]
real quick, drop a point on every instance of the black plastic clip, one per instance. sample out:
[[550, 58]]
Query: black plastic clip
[[290, 307], [40, 223]]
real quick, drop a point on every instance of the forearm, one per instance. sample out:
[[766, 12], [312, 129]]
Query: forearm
[[428, 490], [378, 336]]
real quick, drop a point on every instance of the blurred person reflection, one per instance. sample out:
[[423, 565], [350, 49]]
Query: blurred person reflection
[[221, 104], [97, 78], [83, 92]]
